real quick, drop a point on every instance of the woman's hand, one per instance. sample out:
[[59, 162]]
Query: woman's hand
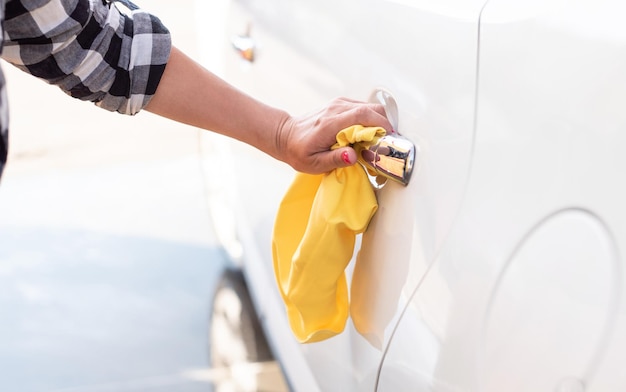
[[304, 142]]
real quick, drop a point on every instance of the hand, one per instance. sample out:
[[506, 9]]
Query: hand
[[304, 142]]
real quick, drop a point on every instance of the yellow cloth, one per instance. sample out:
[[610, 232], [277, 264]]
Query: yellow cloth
[[313, 240]]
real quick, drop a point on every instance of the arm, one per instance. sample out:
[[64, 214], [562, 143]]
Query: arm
[[98, 57], [190, 94]]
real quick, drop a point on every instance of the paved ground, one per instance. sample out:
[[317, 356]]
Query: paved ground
[[107, 256]]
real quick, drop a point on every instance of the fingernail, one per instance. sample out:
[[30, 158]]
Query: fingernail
[[346, 157]]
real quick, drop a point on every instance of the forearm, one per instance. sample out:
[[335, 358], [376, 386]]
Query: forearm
[[190, 94]]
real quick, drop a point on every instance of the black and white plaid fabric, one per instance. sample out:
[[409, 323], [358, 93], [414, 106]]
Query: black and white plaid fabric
[[91, 49]]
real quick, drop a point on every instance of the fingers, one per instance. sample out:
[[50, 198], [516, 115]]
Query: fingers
[[366, 114], [345, 113], [308, 139], [349, 103]]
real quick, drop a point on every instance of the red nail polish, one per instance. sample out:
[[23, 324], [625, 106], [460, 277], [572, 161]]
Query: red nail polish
[[346, 157]]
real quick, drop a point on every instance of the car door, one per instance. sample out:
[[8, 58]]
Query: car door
[[418, 58], [526, 294]]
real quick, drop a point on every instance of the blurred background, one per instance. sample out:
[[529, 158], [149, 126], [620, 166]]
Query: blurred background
[[108, 260]]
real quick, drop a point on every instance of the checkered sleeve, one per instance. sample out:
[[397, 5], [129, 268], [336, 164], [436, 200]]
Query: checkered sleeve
[[97, 50]]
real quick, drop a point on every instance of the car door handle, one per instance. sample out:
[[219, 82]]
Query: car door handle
[[244, 45], [393, 157]]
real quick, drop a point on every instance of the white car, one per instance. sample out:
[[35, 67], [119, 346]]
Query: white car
[[499, 266]]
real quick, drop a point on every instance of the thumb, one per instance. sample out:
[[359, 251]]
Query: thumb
[[334, 159]]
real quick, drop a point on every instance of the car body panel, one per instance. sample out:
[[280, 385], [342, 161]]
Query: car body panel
[[527, 293], [499, 266], [307, 53]]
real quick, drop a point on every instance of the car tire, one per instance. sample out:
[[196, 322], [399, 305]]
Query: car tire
[[235, 334]]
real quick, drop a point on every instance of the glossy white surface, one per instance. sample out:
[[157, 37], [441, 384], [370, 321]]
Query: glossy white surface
[[436, 113], [552, 307], [503, 254], [299, 55], [528, 291]]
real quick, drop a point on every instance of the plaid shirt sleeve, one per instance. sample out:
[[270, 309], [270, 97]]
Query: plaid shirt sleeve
[[97, 50]]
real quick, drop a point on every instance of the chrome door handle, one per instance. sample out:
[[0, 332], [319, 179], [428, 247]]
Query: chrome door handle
[[244, 45], [393, 157]]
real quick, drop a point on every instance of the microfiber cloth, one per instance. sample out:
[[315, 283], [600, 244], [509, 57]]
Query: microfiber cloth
[[314, 236]]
